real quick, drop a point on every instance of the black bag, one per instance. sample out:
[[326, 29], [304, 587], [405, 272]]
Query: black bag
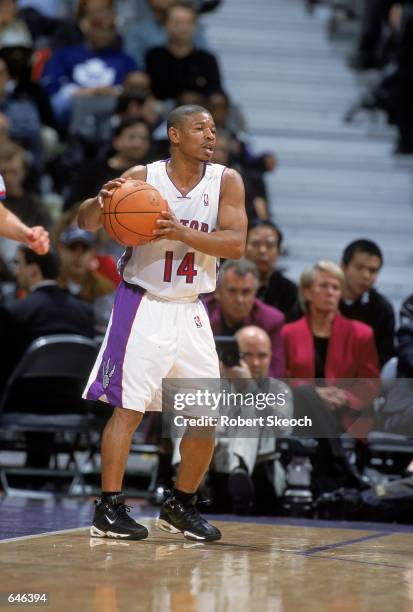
[[388, 501]]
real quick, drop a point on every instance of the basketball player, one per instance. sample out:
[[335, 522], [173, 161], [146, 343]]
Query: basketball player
[[159, 328], [37, 238]]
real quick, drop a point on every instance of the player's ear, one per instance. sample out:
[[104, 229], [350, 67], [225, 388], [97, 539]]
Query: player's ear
[[173, 135]]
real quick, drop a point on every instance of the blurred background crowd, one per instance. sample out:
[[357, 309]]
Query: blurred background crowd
[[85, 89]]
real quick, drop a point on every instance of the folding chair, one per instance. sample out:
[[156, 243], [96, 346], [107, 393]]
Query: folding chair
[[42, 395]]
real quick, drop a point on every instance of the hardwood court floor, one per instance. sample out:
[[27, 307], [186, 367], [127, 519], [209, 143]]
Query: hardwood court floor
[[263, 567]]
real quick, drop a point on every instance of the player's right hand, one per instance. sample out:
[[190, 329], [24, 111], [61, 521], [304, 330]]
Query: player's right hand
[[106, 189], [37, 238]]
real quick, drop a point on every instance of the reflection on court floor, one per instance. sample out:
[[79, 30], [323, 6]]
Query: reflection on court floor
[[254, 567]]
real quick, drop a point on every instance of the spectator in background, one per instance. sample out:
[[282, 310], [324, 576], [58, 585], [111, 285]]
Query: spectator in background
[[131, 143], [137, 82], [131, 104], [226, 115], [77, 253], [25, 205], [179, 65], [238, 455], [361, 263], [71, 31], [326, 346], [23, 116], [92, 68], [151, 32], [229, 118], [263, 248], [234, 305], [396, 415], [16, 49], [9, 21], [46, 310], [256, 202]]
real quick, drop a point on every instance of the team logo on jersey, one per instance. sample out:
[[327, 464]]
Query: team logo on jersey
[[107, 373], [198, 321], [206, 199]]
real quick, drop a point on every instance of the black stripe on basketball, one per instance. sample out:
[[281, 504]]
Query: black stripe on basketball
[[110, 214]]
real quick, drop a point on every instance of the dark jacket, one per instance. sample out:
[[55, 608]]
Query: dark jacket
[[47, 310], [374, 310]]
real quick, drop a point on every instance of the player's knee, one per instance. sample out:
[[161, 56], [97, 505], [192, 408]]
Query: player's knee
[[127, 419]]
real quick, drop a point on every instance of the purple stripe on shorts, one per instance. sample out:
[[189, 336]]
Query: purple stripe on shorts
[[110, 373]]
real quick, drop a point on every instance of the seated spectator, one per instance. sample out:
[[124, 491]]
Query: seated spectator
[[263, 248], [326, 346], [94, 67], [396, 415], [256, 201], [22, 113], [16, 49], [234, 305], [151, 32], [361, 262], [137, 82], [71, 30], [131, 143], [25, 204], [179, 65], [227, 115], [77, 253], [46, 310], [137, 106], [238, 455], [9, 22]]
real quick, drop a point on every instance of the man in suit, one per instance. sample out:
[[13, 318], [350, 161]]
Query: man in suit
[[361, 263], [46, 310], [235, 305]]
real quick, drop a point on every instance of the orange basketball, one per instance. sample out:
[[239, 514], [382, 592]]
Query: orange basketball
[[130, 213]]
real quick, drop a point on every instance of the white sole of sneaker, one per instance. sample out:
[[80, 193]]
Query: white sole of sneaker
[[165, 526], [97, 533]]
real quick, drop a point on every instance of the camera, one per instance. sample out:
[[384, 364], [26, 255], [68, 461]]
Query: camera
[[228, 351]]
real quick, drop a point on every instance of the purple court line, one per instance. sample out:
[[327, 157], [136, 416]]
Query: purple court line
[[317, 549], [357, 561]]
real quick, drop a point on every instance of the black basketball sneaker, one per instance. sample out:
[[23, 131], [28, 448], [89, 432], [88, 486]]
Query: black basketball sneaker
[[176, 517], [112, 520]]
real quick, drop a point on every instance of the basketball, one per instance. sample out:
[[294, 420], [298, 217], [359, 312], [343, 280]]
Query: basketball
[[130, 213]]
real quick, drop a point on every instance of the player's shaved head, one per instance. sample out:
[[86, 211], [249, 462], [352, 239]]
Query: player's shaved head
[[181, 113]]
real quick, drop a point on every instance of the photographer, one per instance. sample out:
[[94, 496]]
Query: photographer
[[238, 455]]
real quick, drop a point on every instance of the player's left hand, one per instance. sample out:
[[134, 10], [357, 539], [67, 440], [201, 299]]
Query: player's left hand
[[37, 238], [169, 227]]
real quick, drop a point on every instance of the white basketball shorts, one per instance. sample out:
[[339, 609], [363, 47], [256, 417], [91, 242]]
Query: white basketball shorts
[[149, 339]]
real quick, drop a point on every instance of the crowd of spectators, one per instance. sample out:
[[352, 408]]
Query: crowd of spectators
[[85, 88]]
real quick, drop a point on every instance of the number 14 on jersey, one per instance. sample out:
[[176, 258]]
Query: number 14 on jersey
[[186, 267]]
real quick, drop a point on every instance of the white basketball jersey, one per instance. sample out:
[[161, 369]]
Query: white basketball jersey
[[167, 268]]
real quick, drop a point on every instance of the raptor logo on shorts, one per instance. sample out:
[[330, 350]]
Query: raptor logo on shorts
[[198, 321], [107, 373]]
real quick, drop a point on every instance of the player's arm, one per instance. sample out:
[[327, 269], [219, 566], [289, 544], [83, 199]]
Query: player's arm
[[37, 238], [90, 217], [229, 239]]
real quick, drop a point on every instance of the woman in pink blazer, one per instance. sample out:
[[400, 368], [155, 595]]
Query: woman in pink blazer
[[326, 346]]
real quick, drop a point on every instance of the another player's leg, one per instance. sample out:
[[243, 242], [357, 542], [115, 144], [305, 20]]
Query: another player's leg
[[111, 518], [179, 513]]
